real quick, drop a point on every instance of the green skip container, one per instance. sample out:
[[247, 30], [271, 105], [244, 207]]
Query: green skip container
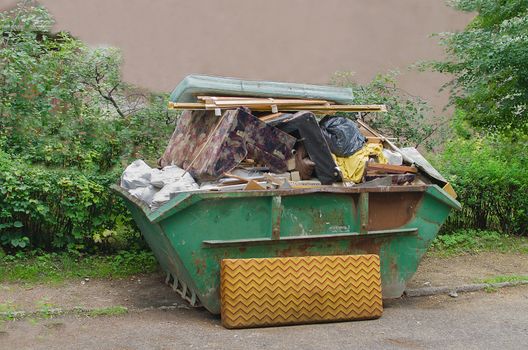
[[194, 231]]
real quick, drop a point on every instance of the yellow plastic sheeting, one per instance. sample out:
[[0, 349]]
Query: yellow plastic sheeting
[[278, 291], [353, 167]]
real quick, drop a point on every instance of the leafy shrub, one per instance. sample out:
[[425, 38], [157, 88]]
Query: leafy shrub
[[490, 175], [68, 126], [406, 118], [489, 63], [486, 162], [58, 208], [63, 104]]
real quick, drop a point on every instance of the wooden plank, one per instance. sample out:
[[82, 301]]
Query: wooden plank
[[386, 140], [237, 177], [397, 169], [253, 186], [272, 116], [290, 164], [314, 108], [372, 139], [186, 105], [450, 190], [294, 175]]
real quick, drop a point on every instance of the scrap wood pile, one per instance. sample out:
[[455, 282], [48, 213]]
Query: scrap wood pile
[[233, 143], [218, 103]]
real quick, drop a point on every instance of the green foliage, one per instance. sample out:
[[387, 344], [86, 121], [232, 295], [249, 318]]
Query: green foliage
[[486, 161], [407, 116], [58, 208], [64, 104], [68, 126], [57, 268], [489, 61], [505, 278], [490, 175], [476, 241]]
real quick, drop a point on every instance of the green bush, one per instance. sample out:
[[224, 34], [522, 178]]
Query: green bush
[[60, 209], [68, 127], [488, 62], [486, 161], [406, 118], [490, 176]]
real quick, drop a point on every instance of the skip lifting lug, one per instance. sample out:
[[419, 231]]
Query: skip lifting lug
[[183, 290]]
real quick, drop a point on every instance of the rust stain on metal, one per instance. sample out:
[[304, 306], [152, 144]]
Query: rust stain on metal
[[200, 266], [393, 272], [366, 244], [294, 250], [322, 189], [383, 214], [393, 267]]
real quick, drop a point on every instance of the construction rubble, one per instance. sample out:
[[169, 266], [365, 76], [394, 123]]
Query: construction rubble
[[236, 143]]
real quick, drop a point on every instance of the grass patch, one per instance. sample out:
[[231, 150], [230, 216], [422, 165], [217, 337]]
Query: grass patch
[[7, 307], [108, 311], [505, 278], [474, 241], [57, 268], [47, 313], [490, 289]]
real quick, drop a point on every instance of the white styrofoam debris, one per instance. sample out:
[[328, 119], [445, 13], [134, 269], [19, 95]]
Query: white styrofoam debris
[[136, 175], [170, 174], [154, 186], [393, 157], [145, 194], [171, 189]]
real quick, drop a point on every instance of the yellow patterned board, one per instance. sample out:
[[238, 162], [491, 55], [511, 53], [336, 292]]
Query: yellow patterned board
[[279, 291]]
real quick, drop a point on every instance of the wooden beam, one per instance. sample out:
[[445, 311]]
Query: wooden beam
[[265, 108], [387, 168], [268, 117], [372, 139]]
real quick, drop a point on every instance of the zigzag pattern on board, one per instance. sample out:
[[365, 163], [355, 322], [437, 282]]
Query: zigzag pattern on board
[[276, 291]]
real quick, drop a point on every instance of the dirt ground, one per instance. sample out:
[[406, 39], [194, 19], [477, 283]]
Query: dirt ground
[[464, 269], [134, 293], [147, 291]]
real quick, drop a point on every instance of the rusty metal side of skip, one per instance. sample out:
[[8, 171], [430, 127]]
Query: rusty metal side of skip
[[193, 232]]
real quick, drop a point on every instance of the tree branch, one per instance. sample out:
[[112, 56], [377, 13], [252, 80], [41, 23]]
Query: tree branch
[[111, 99], [431, 132]]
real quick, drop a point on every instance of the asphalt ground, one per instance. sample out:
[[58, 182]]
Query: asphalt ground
[[480, 320]]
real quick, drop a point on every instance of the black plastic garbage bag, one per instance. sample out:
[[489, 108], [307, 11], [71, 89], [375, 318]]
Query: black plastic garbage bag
[[342, 135], [304, 127]]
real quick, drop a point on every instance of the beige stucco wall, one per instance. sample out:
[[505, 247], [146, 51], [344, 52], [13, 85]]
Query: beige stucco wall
[[286, 40]]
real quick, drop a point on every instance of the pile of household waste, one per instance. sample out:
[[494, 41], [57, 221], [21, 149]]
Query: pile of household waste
[[233, 143]]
